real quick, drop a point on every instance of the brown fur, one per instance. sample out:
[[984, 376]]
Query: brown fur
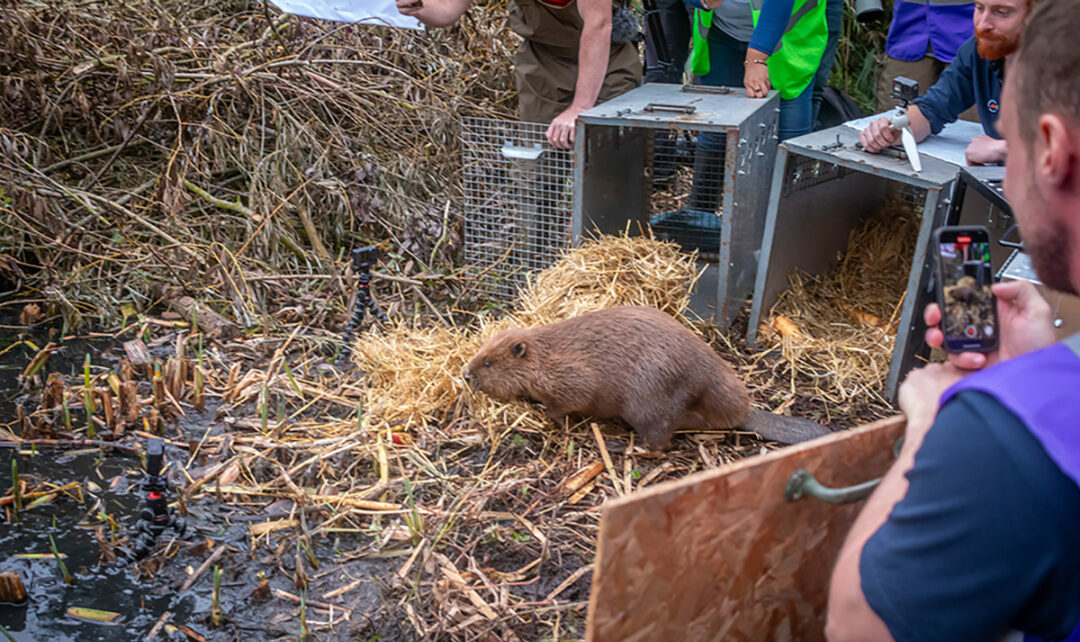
[[634, 363]]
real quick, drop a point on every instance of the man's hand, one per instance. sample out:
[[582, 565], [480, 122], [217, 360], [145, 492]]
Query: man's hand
[[984, 150], [879, 135], [433, 13], [409, 7], [560, 133], [919, 395], [1025, 324]]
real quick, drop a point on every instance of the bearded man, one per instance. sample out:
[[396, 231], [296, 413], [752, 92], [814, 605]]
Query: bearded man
[[972, 533], [975, 77]]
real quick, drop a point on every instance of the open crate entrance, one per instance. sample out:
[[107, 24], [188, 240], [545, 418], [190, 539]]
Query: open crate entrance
[[822, 190], [686, 205]]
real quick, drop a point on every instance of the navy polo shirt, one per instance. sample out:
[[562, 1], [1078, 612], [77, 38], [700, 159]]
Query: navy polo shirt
[[968, 80], [986, 540]]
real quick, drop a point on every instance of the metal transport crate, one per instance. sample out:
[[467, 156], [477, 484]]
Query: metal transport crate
[[980, 200], [822, 188], [517, 202], [691, 162]]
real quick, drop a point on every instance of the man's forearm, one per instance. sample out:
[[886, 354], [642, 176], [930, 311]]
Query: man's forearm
[[920, 126], [849, 615], [593, 53]]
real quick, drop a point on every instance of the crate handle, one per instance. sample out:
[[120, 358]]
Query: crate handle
[[707, 89], [802, 484], [519, 152], [1004, 242], [680, 109]]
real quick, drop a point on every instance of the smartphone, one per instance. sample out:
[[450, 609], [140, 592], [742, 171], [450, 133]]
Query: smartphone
[[964, 276]]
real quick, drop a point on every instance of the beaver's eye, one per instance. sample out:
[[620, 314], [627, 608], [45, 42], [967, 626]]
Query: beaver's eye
[[487, 364]]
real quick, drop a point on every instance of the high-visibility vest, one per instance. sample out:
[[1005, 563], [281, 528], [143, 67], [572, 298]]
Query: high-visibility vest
[[699, 54], [796, 57], [795, 60]]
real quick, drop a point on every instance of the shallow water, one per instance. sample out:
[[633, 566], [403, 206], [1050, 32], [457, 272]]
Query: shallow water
[[106, 587], [111, 481]]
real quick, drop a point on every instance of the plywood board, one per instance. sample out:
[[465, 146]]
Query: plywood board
[[721, 555]]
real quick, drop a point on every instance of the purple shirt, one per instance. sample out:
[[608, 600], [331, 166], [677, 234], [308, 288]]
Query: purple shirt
[[935, 26], [1043, 390]]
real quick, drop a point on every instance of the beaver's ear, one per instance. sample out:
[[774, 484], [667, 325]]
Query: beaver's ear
[[518, 349]]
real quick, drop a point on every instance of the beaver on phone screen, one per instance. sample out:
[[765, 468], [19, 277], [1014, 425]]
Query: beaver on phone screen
[[634, 363]]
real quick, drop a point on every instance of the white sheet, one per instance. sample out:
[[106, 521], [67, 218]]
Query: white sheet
[[367, 11], [949, 145]]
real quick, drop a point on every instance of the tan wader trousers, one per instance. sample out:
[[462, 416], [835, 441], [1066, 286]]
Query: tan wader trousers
[[546, 64]]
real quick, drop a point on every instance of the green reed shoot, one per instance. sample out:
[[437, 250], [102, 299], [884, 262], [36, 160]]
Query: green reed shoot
[[292, 380], [88, 392], [60, 562], [264, 410], [217, 617], [198, 398], [303, 614], [15, 490]]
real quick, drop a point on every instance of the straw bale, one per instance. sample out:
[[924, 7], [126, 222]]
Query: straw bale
[[414, 374]]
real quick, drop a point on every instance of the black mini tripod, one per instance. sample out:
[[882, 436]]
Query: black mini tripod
[[156, 516], [362, 257]]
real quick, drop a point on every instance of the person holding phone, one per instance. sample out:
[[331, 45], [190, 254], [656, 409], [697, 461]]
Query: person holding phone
[[575, 54], [972, 533]]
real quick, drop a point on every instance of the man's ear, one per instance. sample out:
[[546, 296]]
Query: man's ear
[[518, 349], [1056, 151]]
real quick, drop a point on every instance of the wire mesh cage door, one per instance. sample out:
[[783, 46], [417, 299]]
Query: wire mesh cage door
[[688, 172], [518, 192]]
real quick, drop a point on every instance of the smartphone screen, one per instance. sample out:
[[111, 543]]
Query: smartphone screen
[[968, 308]]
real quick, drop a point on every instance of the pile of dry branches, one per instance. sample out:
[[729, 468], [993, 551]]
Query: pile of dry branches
[[220, 145]]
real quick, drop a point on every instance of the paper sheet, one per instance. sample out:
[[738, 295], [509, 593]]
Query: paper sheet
[[367, 11], [949, 145]]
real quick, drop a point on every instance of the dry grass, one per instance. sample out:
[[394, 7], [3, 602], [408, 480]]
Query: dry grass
[[837, 330], [414, 374]]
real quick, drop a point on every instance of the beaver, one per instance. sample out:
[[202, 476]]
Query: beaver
[[634, 363]]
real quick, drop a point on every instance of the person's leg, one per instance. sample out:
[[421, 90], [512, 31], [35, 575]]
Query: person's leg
[[675, 20], [677, 29], [726, 57], [924, 71], [545, 83], [834, 15], [796, 115], [675, 24]]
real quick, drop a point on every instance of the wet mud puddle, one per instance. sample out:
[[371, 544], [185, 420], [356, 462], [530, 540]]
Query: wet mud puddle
[[88, 501]]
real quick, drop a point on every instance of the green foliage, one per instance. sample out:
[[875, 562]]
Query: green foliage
[[855, 68]]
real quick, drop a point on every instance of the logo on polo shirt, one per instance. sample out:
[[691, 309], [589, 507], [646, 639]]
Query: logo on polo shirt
[[992, 105]]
